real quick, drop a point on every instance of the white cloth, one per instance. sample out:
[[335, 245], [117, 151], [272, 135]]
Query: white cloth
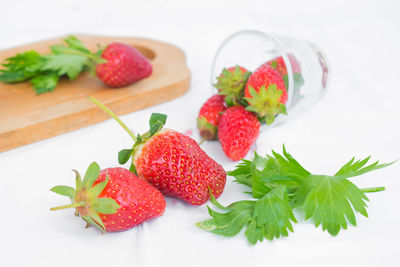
[[359, 116]]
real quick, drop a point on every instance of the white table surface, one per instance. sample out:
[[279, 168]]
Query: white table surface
[[359, 116]]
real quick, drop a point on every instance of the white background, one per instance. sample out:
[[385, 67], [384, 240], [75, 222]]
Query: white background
[[359, 116]]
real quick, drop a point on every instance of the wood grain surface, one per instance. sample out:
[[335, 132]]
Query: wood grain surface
[[26, 117]]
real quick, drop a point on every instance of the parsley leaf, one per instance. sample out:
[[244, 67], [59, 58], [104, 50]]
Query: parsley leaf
[[267, 217], [21, 67], [62, 64], [279, 185], [326, 199], [10, 76], [29, 61], [75, 43], [44, 71], [44, 83]]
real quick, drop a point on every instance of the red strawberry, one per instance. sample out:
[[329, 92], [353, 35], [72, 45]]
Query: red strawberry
[[238, 129], [231, 83], [209, 115], [177, 166], [279, 64], [266, 93], [172, 161], [125, 65], [114, 199]]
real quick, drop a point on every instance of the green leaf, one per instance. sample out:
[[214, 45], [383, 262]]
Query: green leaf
[[254, 233], [124, 155], [331, 201], [259, 189], [105, 205], [64, 191], [229, 223], [267, 217], [253, 91], [78, 180], [132, 168], [274, 213], [269, 172], [8, 76], [64, 64], [157, 121], [215, 202], [327, 199], [27, 61], [281, 184], [45, 83], [62, 49], [75, 43], [21, 67], [226, 224], [96, 190], [351, 168], [91, 175], [95, 220], [242, 173]]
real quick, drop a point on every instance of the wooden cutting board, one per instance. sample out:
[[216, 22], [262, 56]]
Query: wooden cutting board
[[26, 117]]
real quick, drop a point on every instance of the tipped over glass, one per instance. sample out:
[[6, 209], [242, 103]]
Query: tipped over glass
[[306, 68]]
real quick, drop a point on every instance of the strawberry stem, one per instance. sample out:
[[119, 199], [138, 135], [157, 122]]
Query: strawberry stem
[[73, 205], [112, 114]]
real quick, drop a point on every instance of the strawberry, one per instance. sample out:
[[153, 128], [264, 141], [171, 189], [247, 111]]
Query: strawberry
[[177, 166], [209, 115], [279, 64], [231, 83], [171, 161], [125, 65], [113, 199], [238, 129], [266, 93]]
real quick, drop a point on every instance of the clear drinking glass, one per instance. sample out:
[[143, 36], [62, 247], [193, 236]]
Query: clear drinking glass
[[251, 48]]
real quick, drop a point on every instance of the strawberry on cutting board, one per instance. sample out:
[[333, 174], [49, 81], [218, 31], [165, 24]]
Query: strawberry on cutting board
[[171, 161], [125, 65], [113, 199], [117, 65], [209, 114], [237, 131]]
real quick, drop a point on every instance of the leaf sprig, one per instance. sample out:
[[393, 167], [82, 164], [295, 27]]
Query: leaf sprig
[[44, 71], [279, 185]]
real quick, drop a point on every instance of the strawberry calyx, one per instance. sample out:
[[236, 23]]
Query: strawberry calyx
[[231, 84], [85, 197], [207, 130], [265, 103], [156, 123]]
